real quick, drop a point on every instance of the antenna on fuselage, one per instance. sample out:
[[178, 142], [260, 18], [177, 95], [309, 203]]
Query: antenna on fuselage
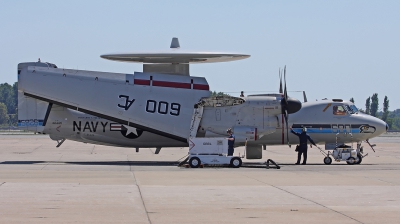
[[175, 43], [304, 96]]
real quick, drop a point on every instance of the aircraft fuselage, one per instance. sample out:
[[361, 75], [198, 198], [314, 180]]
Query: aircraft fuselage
[[323, 127]]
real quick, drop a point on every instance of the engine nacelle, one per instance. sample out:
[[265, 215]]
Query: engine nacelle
[[245, 133], [244, 114]]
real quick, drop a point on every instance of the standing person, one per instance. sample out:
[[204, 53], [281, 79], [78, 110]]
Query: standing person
[[231, 142], [303, 137]]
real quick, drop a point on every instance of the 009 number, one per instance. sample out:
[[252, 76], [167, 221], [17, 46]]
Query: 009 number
[[163, 107]]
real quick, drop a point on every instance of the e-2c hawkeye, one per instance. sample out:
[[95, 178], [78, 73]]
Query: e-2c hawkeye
[[157, 107]]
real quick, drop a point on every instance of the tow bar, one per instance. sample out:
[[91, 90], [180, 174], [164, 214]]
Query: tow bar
[[270, 161]]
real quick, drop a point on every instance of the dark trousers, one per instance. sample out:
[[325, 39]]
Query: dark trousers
[[230, 151], [304, 152]]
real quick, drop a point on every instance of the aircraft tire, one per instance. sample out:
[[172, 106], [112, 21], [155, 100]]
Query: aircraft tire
[[327, 160], [236, 162], [194, 162], [351, 159], [359, 157]]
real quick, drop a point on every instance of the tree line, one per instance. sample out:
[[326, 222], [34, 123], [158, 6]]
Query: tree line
[[392, 118], [8, 104]]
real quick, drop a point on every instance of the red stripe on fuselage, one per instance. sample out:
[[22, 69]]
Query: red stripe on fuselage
[[201, 87], [179, 85], [141, 82], [172, 84]]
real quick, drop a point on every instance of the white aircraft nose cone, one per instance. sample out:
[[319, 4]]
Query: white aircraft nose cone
[[381, 126]]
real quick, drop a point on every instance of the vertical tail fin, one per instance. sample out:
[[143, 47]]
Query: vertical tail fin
[[32, 113]]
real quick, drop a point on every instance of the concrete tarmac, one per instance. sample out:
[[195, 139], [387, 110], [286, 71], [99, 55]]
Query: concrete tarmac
[[84, 183]]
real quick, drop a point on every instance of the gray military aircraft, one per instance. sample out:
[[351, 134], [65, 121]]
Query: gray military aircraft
[[157, 107]]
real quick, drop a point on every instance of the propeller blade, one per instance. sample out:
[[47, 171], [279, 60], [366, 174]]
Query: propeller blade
[[284, 76], [287, 127], [280, 82]]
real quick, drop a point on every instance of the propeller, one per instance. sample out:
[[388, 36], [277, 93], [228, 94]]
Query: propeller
[[289, 105], [285, 103]]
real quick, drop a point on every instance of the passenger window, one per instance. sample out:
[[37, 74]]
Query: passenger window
[[338, 110]]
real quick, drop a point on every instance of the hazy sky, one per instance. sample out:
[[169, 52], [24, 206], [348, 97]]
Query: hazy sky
[[333, 49]]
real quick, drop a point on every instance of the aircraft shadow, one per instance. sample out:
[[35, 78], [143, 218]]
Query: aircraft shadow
[[250, 164], [322, 164], [156, 163], [96, 163]]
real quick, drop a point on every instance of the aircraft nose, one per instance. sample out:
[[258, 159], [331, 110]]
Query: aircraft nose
[[294, 105], [381, 126]]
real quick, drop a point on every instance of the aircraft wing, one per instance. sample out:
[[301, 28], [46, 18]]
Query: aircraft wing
[[158, 103]]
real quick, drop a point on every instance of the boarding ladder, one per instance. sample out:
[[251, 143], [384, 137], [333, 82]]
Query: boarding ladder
[[196, 119]]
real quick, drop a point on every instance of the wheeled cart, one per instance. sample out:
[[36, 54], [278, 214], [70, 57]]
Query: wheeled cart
[[211, 151], [196, 160], [343, 153]]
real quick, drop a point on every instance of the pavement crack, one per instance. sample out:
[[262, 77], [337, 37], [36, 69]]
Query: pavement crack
[[47, 163], [387, 182], [141, 197], [140, 191], [305, 199], [36, 148]]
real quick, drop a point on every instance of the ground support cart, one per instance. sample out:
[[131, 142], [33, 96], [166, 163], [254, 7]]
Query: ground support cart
[[211, 151], [343, 153]]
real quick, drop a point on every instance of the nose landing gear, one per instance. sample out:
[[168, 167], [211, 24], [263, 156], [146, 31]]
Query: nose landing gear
[[327, 160]]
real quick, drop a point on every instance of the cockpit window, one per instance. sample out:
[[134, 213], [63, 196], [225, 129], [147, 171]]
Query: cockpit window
[[354, 108], [351, 109], [339, 110]]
